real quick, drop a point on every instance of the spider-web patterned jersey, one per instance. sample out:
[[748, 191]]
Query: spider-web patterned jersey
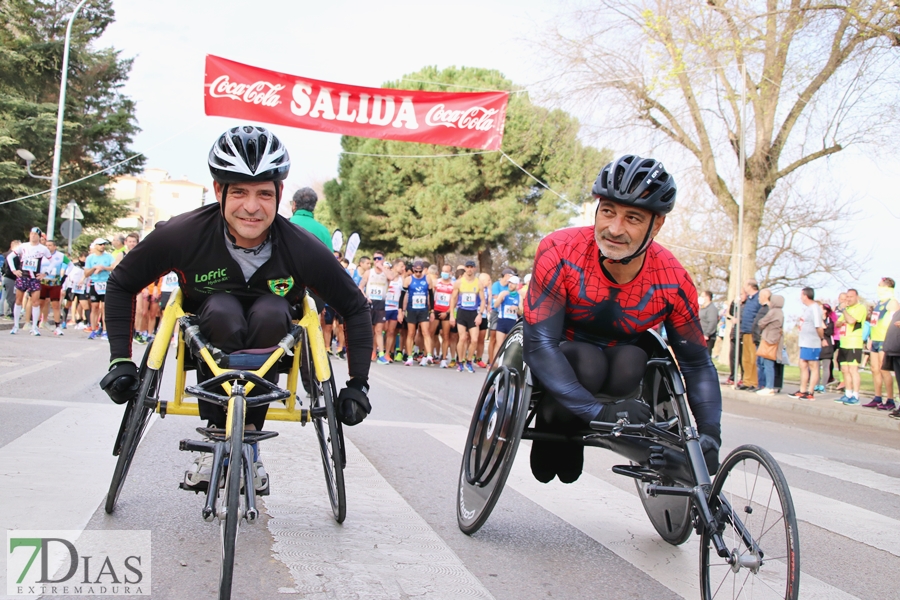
[[571, 298]]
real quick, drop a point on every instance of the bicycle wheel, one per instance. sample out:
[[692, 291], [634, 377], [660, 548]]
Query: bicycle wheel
[[228, 526], [751, 501], [134, 424], [331, 446]]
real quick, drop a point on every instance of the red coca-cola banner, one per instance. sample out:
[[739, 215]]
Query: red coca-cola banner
[[468, 120]]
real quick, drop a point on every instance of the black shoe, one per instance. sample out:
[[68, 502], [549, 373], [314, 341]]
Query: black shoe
[[543, 460], [569, 462]]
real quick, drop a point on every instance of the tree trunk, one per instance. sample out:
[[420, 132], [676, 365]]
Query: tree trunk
[[486, 263], [754, 201]]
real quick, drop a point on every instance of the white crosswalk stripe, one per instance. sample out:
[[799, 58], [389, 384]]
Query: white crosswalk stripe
[[384, 550], [619, 523], [842, 471]]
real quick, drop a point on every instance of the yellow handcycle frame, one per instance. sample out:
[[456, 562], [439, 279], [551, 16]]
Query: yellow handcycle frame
[[290, 412]]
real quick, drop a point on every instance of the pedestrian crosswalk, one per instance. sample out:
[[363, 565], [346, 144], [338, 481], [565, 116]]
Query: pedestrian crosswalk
[[387, 550]]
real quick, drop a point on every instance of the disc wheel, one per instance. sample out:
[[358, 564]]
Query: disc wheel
[[751, 501], [494, 435], [134, 424], [331, 446], [229, 525]]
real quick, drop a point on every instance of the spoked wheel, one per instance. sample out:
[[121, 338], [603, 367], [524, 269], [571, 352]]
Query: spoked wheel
[[494, 435], [751, 501], [134, 423], [331, 445], [231, 497], [670, 515]]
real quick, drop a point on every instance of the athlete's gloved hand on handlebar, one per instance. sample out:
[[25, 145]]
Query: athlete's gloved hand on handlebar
[[635, 411], [353, 403], [122, 382]]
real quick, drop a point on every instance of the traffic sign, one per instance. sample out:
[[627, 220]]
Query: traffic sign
[[70, 229], [67, 212]]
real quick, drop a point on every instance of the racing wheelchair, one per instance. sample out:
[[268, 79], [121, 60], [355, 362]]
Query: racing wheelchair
[[744, 514], [231, 493]]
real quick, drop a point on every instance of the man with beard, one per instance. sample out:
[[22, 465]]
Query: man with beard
[[595, 290]]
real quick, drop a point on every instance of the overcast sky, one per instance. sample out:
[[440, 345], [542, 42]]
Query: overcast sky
[[368, 43]]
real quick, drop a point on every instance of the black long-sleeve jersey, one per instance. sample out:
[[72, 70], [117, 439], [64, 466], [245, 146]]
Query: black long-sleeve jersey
[[193, 246]]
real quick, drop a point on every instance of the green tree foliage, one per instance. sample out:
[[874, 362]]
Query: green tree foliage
[[99, 121], [472, 203]]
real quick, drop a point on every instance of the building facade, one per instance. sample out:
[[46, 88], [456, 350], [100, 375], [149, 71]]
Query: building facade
[[154, 196]]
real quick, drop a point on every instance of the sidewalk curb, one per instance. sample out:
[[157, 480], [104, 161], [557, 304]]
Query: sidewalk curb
[[819, 408]]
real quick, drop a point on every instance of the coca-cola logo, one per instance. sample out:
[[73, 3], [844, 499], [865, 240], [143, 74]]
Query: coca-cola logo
[[261, 92], [477, 117]]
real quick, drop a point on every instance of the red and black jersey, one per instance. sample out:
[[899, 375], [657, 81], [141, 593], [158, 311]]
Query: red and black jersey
[[570, 297]]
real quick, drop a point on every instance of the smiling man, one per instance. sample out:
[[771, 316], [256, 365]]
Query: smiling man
[[594, 291], [243, 270]]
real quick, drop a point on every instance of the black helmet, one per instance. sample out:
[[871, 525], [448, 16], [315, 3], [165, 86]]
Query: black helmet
[[638, 182], [248, 154]]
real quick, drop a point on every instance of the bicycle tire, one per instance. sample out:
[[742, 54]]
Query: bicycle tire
[[229, 526], [331, 447], [134, 424], [750, 477]]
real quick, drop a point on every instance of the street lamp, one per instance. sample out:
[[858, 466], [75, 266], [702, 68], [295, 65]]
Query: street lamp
[[28, 157], [57, 148]]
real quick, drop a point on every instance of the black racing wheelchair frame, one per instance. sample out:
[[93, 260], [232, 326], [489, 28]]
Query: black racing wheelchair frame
[[744, 514]]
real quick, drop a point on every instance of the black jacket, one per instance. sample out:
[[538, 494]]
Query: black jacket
[[193, 246]]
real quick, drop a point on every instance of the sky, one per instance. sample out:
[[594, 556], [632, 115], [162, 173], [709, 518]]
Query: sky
[[368, 43]]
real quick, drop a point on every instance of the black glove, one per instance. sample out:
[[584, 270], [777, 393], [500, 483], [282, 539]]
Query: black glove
[[122, 382], [710, 446], [636, 411], [353, 404]]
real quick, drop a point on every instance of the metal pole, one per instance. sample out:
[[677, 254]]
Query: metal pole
[[57, 148], [742, 160]]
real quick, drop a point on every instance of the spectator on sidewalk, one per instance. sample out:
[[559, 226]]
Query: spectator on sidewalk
[[756, 332], [709, 319], [771, 327], [811, 341], [732, 361], [838, 332], [826, 358], [850, 354], [891, 350], [748, 348], [9, 279], [886, 306]]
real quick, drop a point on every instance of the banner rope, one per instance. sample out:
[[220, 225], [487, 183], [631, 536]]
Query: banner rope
[[121, 162], [419, 155], [541, 183]]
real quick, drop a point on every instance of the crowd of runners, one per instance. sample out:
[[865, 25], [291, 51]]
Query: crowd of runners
[[421, 314]]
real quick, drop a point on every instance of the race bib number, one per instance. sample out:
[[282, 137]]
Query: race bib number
[[30, 264], [170, 283], [376, 293], [442, 299], [100, 287], [419, 301], [510, 311], [393, 296], [469, 299], [79, 289], [874, 320]]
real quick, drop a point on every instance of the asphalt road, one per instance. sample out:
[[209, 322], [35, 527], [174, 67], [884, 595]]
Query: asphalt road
[[400, 538]]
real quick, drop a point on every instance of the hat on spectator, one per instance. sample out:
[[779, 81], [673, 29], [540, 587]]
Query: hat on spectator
[[514, 280], [527, 278], [507, 271], [99, 241], [470, 263]]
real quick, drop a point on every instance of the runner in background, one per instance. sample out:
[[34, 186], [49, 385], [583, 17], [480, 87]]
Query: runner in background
[[374, 284], [509, 307], [51, 287], [418, 308], [469, 301], [25, 263], [146, 307], [392, 310], [75, 290], [485, 280], [98, 267], [443, 291]]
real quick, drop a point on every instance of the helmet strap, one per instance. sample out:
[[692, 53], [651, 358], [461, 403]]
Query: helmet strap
[[643, 248]]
